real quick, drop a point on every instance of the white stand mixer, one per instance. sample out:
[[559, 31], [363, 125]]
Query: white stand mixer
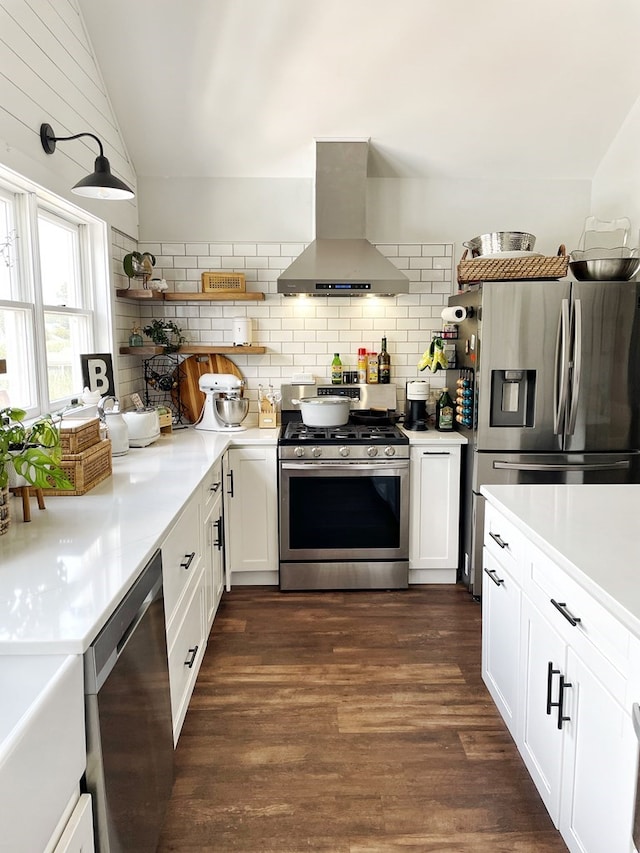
[[224, 406]]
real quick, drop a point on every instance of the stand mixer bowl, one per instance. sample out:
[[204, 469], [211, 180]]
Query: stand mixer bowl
[[231, 411]]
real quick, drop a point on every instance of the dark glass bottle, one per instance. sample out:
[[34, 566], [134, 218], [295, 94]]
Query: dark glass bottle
[[384, 364], [444, 412]]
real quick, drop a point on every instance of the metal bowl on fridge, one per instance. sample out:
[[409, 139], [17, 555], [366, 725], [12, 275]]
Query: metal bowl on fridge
[[323, 411]]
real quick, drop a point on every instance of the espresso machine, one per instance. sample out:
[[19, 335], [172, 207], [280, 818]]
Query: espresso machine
[[415, 415], [224, 406]]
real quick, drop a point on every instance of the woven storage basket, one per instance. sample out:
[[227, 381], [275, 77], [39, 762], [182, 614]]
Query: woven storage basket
[[86, 469], [505, 269], [223, 282], [4, 510], [77, 436]]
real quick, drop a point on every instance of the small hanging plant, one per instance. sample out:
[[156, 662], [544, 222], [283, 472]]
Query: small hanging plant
[[165, 333]]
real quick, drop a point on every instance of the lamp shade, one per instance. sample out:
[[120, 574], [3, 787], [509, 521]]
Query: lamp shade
[[102, 184]]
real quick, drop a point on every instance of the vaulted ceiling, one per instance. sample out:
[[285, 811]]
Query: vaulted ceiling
[[443, 88]]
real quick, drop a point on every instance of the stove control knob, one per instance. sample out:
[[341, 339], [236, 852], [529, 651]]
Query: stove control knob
[[298, 451], [372, 451], [344, 451], [389, 450], [316, 451]]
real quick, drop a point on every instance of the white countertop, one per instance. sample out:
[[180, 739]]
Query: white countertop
[[433, 436], [62, 574], [588, 530]]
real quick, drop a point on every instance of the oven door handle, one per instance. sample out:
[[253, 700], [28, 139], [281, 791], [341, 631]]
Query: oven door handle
[[343, 467]]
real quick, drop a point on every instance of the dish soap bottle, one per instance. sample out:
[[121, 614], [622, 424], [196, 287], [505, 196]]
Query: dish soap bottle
[[444, 412], [336, 370], [384, 364]]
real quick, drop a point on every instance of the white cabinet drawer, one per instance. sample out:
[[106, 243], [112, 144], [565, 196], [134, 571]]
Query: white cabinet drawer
[[564, 601], [181, 556], [212, 485], [187, 644], [78, 833], [503, 540]]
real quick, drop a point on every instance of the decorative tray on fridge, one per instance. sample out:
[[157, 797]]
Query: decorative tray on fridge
[[523, 268]]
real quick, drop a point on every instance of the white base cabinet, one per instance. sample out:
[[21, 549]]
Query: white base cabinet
[[251, 513], [434, 519], [559, 666]]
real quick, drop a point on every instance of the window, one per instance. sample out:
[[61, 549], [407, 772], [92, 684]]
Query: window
[[54, 298]]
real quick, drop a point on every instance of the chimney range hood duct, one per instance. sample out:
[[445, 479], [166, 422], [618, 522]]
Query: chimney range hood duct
[[340, 261]]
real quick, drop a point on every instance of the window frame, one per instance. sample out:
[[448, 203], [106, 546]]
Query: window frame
[[31, 201]]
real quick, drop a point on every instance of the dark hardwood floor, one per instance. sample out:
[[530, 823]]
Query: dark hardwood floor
[[351, 722]]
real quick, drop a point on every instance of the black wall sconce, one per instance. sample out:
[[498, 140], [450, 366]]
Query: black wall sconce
[[101, 183]]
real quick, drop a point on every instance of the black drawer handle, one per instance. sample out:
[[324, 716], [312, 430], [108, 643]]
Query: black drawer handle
[[219, 542], [230, 489], [562, 607], [563, 686], [550, 673], [494, 576], [215, 486], [191, 660], [499, 540], [188, 559]]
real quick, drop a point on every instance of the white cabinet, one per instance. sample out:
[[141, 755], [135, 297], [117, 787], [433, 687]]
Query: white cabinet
[[564, 694], [251, 515], [213, 554], [434, 520], [184, 600], [78, 833]]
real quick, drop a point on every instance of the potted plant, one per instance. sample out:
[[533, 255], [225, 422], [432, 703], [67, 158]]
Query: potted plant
[[165, 333], [32, 451]]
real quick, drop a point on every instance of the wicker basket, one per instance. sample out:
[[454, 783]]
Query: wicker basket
[[223, 282], [521, 269], [77, 436], [4, 510], [86, 469]]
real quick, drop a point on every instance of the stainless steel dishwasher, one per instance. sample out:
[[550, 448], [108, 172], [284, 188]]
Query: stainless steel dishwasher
[[128, 719]]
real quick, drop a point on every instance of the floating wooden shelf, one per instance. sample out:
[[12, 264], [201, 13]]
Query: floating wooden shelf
[[196, 296], [195, 349]]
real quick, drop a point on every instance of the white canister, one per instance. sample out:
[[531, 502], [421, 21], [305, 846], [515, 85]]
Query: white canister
[[242, 332], [118, 432]]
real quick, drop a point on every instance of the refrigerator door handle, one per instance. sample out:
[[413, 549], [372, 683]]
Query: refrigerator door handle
[[577, 366], [564, 466], [562, 368]]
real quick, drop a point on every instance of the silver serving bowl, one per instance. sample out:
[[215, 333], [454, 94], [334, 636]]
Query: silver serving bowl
[[501, 241], [232, 410], [605, 269]]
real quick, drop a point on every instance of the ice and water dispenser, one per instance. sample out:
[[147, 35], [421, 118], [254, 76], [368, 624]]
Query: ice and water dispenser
[[513, 394]]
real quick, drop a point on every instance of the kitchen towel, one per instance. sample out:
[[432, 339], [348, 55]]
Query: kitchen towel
[[454, 315]]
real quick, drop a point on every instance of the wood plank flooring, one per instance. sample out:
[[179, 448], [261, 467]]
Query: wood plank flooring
[[351, 722]]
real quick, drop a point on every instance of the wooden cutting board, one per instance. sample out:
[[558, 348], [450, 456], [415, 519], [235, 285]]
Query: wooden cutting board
[[190, 371]]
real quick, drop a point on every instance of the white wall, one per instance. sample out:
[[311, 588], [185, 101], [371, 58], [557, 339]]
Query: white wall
[[49, 74], [401, 210], [616, 186]]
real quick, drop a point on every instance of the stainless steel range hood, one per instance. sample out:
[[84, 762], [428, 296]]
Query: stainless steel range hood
[[341, 261]]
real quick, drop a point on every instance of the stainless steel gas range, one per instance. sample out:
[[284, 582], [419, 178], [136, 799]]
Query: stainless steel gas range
[[344, 494]]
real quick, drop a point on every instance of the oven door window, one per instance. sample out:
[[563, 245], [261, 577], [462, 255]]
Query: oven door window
[[357, 515]]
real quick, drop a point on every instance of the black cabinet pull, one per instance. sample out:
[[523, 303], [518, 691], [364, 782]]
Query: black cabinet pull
[[494, 576], [218, 543], [188, 559], [550, 673], [192, 656], [562, 607], [230, 476], [563, 686], [499, 540], [215, 486]]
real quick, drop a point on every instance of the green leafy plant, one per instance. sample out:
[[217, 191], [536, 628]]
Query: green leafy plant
[[165, 333], [33, 450]]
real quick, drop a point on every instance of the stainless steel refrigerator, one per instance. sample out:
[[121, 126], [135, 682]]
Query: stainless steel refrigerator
[[553, 368]]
